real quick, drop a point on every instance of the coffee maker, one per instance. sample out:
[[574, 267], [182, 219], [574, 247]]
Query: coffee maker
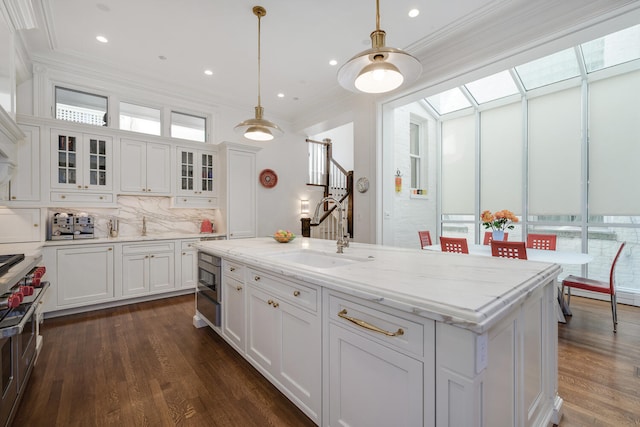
[[83, 227], [61, 226]]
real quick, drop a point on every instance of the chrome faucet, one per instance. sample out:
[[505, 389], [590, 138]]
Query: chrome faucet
[[343, 239], [144, 225]]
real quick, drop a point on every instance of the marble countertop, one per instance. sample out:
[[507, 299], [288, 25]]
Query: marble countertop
[[120, 239], [470, 291]]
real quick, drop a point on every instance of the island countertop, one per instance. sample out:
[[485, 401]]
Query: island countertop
[[469, 291]]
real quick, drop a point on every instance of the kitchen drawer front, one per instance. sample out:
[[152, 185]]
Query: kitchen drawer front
[[145, 248], [187, 245], [411, 339], [195, 202], [81, 197], [233, 269], [300, 295]]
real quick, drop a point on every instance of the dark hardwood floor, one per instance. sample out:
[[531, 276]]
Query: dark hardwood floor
[[146, 365], [599, 371]]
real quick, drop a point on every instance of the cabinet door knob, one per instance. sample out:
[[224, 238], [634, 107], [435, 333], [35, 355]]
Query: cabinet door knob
[[86, 186], [184, 253], [153, 256], [35, 225], [232, 269], [238, 288], [296, 293], [63, 196], [270, 302], [13, 197], [101, 197], [146, 256], [79, 186], [110, 249], [276, 305], [256, 278]]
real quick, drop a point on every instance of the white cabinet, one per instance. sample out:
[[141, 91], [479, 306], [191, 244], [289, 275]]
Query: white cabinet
[[20, 225], [81, 162], [148, 268], [188, 264], [233, 304], [284, 337], [145, 167], [196, 172], [25, 184], [84, 274], [377, 377], [241, 193]]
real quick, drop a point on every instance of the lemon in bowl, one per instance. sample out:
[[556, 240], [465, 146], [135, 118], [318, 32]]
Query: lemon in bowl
[[284, 236]]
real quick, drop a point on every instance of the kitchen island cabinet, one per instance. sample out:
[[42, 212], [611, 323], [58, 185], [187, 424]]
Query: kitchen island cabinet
[[400, 327]]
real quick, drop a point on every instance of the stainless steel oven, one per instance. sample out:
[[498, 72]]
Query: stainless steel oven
[[208, 293]]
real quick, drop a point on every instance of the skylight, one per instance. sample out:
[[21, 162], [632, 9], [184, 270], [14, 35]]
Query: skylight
[[614, 49], [497, 86], [449, 101], [559, 66]]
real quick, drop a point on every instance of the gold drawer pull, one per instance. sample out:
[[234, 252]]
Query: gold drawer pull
[[296, 293], [256, 278], [369, 326], [270, 302], [276, 305]]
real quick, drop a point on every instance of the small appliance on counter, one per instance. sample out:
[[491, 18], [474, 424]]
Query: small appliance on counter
[[83, 227], [61, 226], [206, 226], [67, 226]]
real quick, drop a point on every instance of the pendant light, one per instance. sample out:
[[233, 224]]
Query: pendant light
[[379, 69], [259, 129]]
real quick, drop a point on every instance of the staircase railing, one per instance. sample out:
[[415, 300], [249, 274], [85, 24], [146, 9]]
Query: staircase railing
[[326, 172]]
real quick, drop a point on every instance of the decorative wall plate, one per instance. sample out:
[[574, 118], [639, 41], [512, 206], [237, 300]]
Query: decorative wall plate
[[362, 184], [268, 178]]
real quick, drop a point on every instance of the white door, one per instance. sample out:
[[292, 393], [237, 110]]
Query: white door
[[133, 166], [234, 314], [161, 271], [97, 168], [84, 274], [372, 385], [242, 194], [25, 183], [134, 274], [158, 171], [263, 340]]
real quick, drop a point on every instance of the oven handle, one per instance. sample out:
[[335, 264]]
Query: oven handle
[[17, 329]]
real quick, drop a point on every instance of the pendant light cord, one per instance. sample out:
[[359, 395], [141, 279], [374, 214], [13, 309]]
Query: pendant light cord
[[259, 18], [377, 15]]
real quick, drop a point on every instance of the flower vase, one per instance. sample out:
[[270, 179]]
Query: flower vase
[[498, 235]]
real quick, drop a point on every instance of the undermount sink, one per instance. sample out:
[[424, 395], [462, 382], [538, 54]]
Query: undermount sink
[[317, 259]]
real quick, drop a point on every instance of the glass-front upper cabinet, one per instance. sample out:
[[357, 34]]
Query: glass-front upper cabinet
[[196, 172], [81, 161]]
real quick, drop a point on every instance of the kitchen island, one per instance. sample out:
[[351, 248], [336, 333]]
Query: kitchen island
[[390, 336]]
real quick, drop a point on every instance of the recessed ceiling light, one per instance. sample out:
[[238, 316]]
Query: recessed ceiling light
[[413, 13], [208, 72], [102, 39], [333, 62], [281, 95], [162, 57]]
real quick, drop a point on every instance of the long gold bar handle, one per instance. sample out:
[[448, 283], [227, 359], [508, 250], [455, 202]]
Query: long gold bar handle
[[369, 326]]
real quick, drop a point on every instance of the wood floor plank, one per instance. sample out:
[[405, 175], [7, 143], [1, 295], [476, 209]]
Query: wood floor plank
[[146, 365]]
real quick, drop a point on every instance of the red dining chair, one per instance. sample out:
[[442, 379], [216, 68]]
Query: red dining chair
[[488, 237], [425, 238], [594, 285], [504, 249], [542, 241], [454, 244]]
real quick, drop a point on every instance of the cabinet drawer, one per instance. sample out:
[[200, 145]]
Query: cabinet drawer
[[411, 339], [187, 245], [195, 202], [232, 269], [145, 248], [295, 293], [81, 197]]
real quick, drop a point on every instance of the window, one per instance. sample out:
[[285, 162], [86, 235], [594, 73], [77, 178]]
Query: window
[[186, 126], [415, 155], [137, 118], [81, 107]]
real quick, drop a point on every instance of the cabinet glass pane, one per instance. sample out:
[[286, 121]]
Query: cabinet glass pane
[[93, 146], [93, 162], [207, 172], [97, 162], [66, 159], [186, 171], [93, 178]]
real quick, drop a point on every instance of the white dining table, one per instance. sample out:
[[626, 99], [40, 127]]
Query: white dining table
[[541, 255]]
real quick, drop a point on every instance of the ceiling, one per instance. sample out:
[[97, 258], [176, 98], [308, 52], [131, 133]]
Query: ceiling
[[299, 38]]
